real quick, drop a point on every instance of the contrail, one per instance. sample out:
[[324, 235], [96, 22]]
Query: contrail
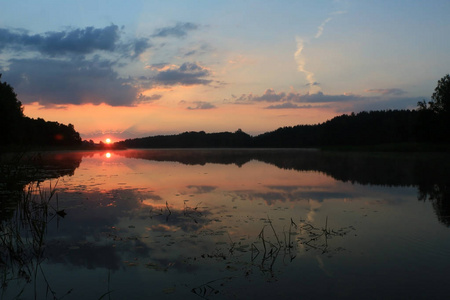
[[321, 27], [300, 59]]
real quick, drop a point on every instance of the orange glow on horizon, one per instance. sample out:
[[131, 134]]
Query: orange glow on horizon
[[108, 141], [172, 118]]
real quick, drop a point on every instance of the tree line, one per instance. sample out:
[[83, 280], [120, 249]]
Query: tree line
[[362, 129], [428, 124], [18, 130], [365, 128]]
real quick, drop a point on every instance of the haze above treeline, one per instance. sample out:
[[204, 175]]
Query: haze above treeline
[[429, 123]]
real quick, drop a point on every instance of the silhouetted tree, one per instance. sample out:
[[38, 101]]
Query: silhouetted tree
[[436, 113], [11, 114], [19, 130]]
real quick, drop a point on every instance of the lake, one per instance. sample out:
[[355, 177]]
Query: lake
[[225, 224]]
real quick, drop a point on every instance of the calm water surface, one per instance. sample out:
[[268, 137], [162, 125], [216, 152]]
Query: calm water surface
[[230, 224]]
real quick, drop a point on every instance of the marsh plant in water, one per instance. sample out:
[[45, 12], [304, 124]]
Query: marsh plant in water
[[22, 238]]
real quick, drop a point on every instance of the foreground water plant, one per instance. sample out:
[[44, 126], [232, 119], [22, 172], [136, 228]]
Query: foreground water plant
[[22, 238]]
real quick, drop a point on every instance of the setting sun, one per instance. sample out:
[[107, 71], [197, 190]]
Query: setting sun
[[108, 141]]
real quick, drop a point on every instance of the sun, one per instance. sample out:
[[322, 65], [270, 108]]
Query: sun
[[108, 141]]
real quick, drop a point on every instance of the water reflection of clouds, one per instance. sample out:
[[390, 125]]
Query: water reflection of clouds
[[202, 189], [313, 209], [97, 234], [88, 255]]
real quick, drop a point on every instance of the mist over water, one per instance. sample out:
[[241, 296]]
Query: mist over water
[[231, 224]]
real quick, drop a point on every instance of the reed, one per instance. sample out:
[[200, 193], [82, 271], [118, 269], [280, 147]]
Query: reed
[[22, 239]]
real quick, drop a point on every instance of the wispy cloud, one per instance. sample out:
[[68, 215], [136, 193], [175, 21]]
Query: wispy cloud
[[288, 105], [179, 30], [392, 91], [146, 99], [201, 105]]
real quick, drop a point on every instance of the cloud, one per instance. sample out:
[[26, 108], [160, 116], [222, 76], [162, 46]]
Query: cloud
[[288, 105], [70, 66], [179, 30], [341, 102], [77, 81], [271, 96], [146, 99], [196, 50], [201, 105], [323, 98], [139, 46], [385, 92], [79, 41], [187, 74], [202, 189]]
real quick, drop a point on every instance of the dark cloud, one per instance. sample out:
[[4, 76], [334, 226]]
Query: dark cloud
[[139, 46], [77, 81], [202, 105], [179, 30], [80, 41], [312, 83], [186, 74], [384, 92]]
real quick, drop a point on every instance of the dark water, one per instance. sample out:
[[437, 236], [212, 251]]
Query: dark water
[[226, 224]]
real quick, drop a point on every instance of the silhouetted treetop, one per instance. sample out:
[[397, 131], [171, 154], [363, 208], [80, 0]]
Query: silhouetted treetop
[[19, 130], [11, 113], [435, 115]]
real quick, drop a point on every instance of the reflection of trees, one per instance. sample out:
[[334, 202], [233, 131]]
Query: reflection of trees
[[439, 195], [19, 169], [424, 170]]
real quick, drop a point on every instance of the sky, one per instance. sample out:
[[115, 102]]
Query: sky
[[125, 69]]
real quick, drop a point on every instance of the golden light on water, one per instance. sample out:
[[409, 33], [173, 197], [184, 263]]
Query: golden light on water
[[108, 155]]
